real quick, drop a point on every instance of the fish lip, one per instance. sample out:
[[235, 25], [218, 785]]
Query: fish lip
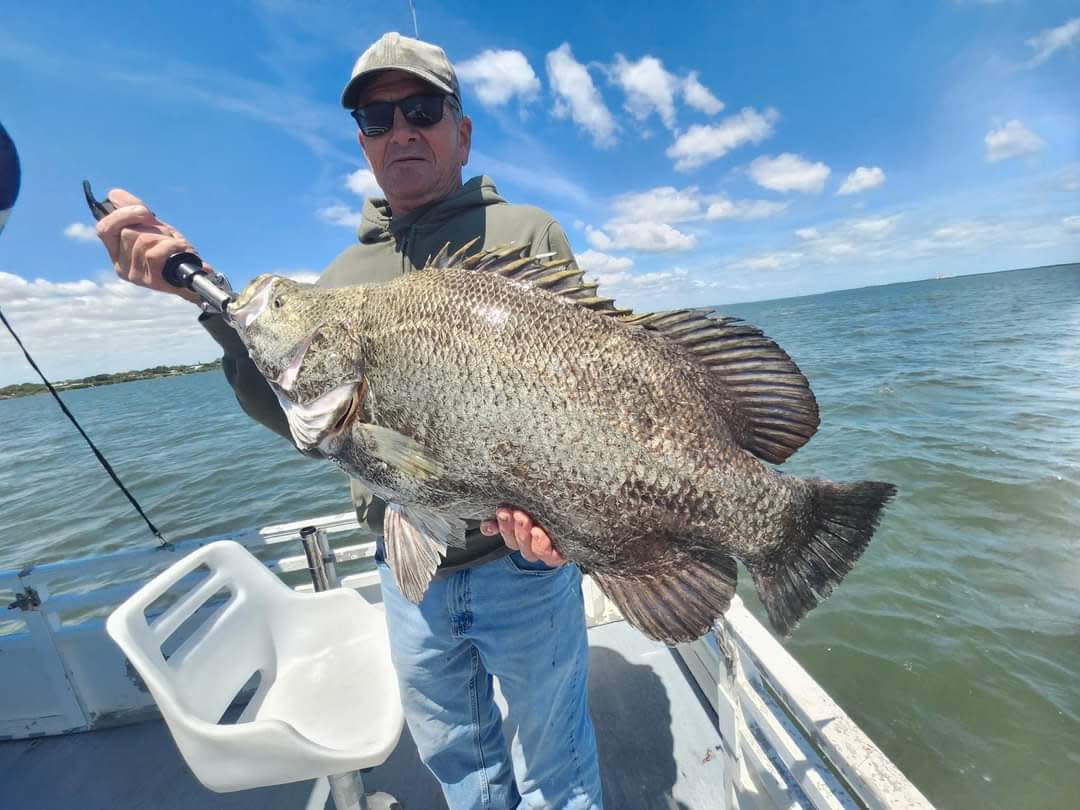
[[243, 316]]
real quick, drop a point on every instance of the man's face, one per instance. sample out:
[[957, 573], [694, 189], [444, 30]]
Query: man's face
[[413, 165]]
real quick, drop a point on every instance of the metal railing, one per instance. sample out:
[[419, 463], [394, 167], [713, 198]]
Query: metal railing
[[787, 743]]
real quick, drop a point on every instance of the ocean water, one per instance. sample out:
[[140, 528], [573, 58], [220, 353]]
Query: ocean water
[[955, 641]]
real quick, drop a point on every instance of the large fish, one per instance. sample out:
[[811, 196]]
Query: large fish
[[639, 442]]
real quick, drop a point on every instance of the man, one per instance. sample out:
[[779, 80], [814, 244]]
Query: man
[[505, 605]]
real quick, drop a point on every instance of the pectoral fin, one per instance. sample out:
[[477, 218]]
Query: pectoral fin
[[402, 452], [416, 540]]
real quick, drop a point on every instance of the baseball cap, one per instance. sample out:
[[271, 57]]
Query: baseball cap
[[392, 51]]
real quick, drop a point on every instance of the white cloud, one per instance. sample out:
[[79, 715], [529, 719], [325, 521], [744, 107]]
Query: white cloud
[[363, 182], [603, 267], [669, 204], [341, 215], [642, 290], [788, 172], [81, 232], [776, 260], [1047, 43], [704, 143], [598, 239], [867, 238], [658, 280], [698, 95], [961, 234], [128, 327], [303, 276], [874, 227], [498, 76], [864, 237], [723, 208], [1011, 140], [577, 96], [651, 237], [648, 86], [862, 179], [897, 238], [663, 204]]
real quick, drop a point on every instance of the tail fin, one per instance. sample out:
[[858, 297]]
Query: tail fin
[[676, 599], [819, 554]]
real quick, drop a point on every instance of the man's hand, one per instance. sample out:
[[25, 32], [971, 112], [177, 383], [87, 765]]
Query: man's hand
[[139, 244], [521, 534]]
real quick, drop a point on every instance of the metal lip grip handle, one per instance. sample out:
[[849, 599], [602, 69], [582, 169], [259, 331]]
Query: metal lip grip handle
[[184, 270]]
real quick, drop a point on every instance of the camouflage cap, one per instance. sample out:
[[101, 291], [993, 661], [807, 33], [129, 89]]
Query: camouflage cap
[[392, 51]]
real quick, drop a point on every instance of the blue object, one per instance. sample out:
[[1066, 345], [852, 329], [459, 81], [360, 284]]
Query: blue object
[[525, 624], [9, 175]]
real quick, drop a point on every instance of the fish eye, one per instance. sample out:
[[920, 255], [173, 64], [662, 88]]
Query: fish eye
[[279, 302]]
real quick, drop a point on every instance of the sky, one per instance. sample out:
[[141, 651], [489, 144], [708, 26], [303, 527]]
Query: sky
[[703, 154]]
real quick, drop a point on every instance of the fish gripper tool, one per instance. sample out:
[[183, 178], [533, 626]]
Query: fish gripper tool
[[183, 269]]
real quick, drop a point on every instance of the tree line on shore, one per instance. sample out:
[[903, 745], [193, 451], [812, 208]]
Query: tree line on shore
[[29, 389]]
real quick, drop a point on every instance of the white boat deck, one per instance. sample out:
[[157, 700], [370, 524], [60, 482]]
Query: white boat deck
[[657, 739], [730, 721]]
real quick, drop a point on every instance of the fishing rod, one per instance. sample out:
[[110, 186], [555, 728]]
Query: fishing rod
[[184, 270]]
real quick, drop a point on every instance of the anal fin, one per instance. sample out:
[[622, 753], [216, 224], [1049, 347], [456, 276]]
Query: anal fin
[[416, 540], [677, 599]]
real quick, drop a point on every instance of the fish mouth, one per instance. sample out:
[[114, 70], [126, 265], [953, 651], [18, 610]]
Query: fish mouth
[[252, 301]]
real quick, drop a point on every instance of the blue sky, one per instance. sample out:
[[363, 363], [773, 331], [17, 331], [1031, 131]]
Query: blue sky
[[703, 154]]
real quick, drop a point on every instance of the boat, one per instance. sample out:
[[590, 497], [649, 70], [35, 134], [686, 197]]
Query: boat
[[728, 721]]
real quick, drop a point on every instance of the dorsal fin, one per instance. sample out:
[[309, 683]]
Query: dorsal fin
[[559, 276], [770, 393]]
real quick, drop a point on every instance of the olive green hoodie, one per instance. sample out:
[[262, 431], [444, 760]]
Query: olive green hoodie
[[388, 247]]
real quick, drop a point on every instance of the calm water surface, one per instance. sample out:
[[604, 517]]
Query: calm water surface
[[954, 643]]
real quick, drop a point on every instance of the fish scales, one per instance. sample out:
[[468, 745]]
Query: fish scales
[[458, 389], [578, 397]]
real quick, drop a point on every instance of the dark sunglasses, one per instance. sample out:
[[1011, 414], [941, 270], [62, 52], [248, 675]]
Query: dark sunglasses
[[377, 118]]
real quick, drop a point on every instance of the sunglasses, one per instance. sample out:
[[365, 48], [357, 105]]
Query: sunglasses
[[422, 110]]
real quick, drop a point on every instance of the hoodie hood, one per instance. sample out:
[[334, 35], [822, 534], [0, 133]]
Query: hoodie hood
[[379, 225]]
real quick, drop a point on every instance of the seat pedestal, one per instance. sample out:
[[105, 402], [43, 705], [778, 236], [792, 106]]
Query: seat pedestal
[[347, 789]]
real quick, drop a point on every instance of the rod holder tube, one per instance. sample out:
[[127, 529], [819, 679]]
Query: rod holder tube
[[309, 536], [329, 561]]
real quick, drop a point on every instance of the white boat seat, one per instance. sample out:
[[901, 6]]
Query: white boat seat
[[327, 700]]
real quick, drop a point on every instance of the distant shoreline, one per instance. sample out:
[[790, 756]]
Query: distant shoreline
[[31, 389]]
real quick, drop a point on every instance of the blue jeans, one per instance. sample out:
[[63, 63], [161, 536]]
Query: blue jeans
[[523, 623]]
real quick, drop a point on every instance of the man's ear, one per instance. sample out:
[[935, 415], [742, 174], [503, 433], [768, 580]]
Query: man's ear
[[465, 139]]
